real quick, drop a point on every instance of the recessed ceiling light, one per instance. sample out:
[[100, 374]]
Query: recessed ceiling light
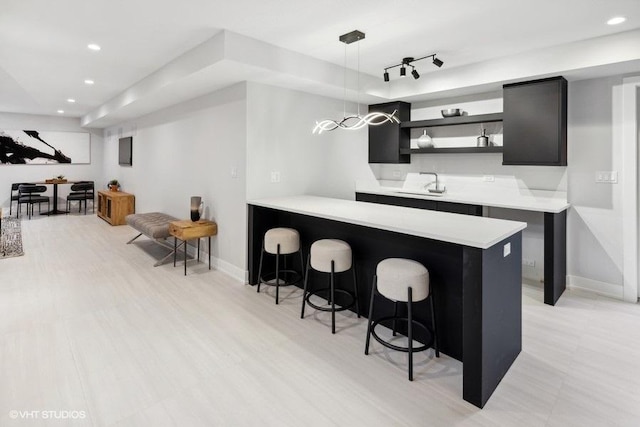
[[89, 82], [93, 46], [616, 20], [60, 111], [71, 100]]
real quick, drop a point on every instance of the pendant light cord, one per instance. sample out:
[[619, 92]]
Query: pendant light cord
[[358, 94], [344, 96]]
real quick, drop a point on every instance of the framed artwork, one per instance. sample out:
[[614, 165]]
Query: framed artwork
[[32, 147]]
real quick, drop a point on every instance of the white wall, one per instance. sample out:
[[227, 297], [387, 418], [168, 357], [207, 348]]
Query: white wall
[[29, 173], [595, 234], [279, 139], [191, 149]]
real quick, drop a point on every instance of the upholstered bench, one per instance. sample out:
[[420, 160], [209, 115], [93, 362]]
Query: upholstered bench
[[154, 225]]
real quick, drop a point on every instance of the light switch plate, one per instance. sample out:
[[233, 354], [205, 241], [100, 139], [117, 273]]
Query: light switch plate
[[506, 250], [275, 176], [607, 177]]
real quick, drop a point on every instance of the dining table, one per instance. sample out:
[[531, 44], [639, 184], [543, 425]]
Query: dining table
[[55, 183]]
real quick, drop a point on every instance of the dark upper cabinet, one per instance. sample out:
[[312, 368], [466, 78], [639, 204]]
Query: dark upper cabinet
[[535, 123], [386, 140]]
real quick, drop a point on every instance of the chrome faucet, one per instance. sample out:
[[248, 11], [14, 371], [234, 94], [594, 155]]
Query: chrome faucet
[[437, 189]]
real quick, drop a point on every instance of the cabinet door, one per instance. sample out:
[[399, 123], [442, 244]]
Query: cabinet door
[[535, 123], [386, 140]]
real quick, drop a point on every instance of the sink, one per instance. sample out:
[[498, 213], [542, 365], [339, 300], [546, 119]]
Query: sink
[[420, 193]]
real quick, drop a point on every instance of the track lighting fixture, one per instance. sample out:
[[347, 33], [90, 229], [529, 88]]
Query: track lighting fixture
[[408, 62]]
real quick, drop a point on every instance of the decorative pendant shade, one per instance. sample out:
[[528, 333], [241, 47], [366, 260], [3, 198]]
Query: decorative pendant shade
[[357, 121]]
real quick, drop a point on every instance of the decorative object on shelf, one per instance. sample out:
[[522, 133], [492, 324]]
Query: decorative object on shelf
[[354, 122], [451, 112], [425, 141], [483, 140], [407, 62], [114, 185], [197, 206]]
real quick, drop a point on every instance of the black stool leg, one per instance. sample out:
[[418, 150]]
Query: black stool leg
[[260, 268], [395, 315], [373, 293], [333, 300], [433, 323], [304, 289], [410, 333], [355, 289], [278, 273]]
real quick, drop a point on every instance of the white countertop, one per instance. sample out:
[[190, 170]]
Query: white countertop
[[538, 203], [474, 231]]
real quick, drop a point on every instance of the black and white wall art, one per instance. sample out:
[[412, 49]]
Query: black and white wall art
[[23, 147]]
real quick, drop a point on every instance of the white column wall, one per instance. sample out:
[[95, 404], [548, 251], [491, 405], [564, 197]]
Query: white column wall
[[27, 173], [191, 149]]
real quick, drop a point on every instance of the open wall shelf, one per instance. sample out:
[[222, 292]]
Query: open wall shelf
[[450, 121], [451, 150]]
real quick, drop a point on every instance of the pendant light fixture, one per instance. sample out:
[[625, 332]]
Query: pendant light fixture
[[357, 121]]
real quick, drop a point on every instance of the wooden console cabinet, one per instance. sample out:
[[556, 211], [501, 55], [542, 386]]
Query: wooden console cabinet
[[113, 206]]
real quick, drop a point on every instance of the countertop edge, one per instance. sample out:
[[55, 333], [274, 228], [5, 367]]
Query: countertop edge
[[457, 199], [516, 228]]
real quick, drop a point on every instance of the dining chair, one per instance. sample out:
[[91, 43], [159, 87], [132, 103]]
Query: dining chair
[[30, 194], [82, 191], [15, 195]]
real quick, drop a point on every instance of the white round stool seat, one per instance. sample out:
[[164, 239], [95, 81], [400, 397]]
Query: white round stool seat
[[396, 275], [287, 238], [326, 250]]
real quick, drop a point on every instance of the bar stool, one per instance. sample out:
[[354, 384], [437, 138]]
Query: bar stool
[[280, 241], [406, 281], [330, 256]]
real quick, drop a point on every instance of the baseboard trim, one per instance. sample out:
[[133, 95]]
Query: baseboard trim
[[601, 288], [229, 269]]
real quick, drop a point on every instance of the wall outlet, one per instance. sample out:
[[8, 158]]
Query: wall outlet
[[234, 172], [275, 176], [397, 174], [488, 178], [607, 177], [506, 250], [528, 262]]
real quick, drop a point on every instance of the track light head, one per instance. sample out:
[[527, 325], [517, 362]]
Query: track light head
[[403, 71], [438, 63], [386, 76], [415, 74]]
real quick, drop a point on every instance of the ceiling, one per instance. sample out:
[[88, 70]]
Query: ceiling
[[147, 44]]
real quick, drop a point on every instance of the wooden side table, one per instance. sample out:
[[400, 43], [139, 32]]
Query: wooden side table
[[186, 230]]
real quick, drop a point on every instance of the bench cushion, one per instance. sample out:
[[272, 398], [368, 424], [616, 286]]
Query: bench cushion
[[153, 224]]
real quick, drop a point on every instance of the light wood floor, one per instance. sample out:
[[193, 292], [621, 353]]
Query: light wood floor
[[87, 324]]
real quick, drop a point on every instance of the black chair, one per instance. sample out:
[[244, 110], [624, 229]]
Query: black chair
[[32, 194], [15, 195], [81, 191]]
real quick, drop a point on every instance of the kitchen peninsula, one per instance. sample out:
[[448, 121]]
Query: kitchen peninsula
[[474, 265]]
